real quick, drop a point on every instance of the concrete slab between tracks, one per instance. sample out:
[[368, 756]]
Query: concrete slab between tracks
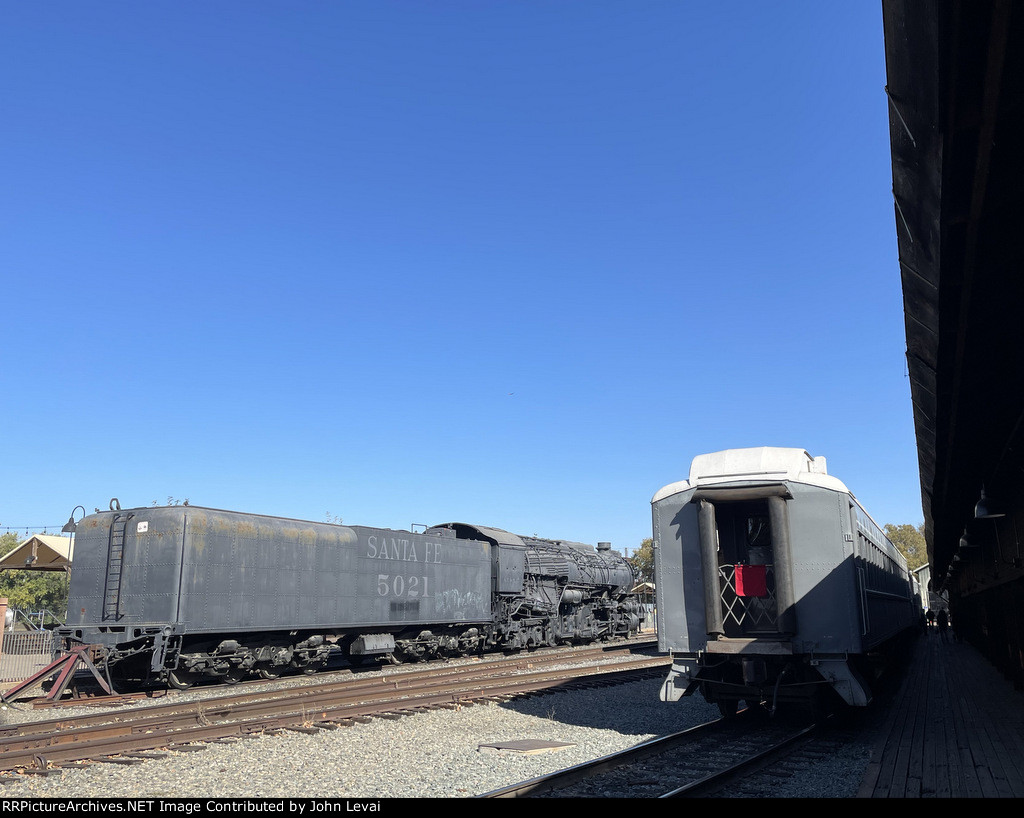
[[953, 729], [527, 746]]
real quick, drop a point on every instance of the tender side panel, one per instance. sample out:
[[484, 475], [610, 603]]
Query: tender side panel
[[152, 569], [244, 572], [422, 579]]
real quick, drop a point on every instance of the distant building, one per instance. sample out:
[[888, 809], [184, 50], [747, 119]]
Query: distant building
[[40, 552]]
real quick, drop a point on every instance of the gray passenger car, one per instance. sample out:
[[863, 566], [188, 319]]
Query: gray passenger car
[[772, 582]]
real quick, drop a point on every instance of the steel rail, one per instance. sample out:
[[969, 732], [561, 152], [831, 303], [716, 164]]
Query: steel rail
[[660, 747], [714, 782], [77, 744], [303, 699], [588, 769], [352, 687]]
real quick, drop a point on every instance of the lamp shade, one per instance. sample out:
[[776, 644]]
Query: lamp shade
[[986, 509]]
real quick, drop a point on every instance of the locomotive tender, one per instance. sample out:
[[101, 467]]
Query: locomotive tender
[[183, 593], [773, 585]]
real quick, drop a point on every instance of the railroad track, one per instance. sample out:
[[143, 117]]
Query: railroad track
[[128, 735], [708, 759], [92, 697]]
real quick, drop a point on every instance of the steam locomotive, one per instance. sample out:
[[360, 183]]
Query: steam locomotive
[[179, 594]]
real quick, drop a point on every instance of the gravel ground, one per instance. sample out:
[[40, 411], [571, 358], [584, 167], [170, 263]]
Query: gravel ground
[[430, 755]]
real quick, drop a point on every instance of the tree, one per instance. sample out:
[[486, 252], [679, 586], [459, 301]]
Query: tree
[[643, 560], [910, 541], [32, 590]]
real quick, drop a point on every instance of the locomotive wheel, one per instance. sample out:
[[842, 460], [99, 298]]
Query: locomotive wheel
[[269, 672], [400, 656], [233, 677], [180, 680]]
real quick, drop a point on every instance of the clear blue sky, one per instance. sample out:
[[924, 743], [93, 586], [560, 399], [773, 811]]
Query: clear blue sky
[[511, 263]]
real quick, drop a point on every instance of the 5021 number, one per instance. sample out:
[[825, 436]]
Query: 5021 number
[[399, 586]]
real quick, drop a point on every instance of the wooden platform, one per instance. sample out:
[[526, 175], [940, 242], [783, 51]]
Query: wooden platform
[[954, 729]]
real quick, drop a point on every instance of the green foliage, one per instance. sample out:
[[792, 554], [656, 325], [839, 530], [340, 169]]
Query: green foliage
[[32, 590], [643, 560], [8, 542], [910, 541]]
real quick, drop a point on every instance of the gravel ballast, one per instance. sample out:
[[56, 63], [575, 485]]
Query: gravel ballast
[[435, 754]]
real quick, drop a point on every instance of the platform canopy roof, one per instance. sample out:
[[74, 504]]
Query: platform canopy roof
[[955, 87], [40, 552]]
